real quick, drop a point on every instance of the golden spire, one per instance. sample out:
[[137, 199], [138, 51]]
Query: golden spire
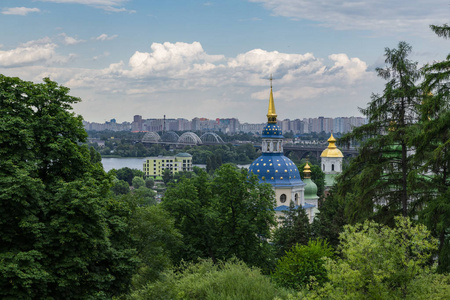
[[271, 114], [307, 170], [332, 142]]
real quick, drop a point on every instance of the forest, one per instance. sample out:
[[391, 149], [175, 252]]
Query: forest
[[69, 230]]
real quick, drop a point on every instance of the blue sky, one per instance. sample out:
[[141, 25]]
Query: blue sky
[[188, 58]]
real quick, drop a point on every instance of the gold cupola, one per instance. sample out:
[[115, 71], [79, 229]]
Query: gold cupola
[[307, 171], [332, 150], [271, 114]]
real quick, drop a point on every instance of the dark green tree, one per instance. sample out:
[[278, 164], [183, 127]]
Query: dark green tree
[[167, 176], [120, 187], [149, 182], [432, 142], [294, 229], [230, 215], [56, 238], [376, 181]]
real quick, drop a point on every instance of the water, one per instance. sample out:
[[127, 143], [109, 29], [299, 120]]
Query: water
[[122, 162]]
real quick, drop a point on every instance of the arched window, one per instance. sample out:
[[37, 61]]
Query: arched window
[[283, 198], [323, 167], [296, 198], [332, 167]]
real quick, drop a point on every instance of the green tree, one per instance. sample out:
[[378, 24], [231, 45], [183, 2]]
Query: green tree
[[432, 155], [56, 239], [330, 220], [128, 174], [138, 182], [149, 182], [302, 265], [294, 229], [167, 176], [230, 215], [378, 262], [120, 187], [231, 279], [378, 177]]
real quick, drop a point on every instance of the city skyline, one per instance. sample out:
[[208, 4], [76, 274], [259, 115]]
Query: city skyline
[[213, 58]]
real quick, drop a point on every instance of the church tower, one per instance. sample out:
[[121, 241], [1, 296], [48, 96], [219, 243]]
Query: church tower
[[331, 161], [273, 167]]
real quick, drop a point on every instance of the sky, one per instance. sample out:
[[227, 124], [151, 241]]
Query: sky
[[213, 59]]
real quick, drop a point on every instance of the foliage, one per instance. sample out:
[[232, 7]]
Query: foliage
[[138, 182], [167, 176], [432, 155], [154, 234], [303, 264], [375, 185], [379, 262], [149, 182], [120, 187], [330, 220], [127, 174], [221, 217], [57, 240], [294, 229], [231, 279]]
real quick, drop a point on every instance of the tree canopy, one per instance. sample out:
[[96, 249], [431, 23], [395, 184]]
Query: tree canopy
[[56, 239]]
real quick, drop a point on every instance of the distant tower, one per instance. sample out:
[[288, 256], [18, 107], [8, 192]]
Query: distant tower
[[276, 169], [311, 197], [331, 161]]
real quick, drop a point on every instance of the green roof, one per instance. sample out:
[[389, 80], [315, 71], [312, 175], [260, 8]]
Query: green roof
[[183, 154]]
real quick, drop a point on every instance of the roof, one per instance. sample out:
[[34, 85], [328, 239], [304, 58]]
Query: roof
[[276, 169], [286, 208], [272, 130], [183, 154], [310, 189], [331, 150]]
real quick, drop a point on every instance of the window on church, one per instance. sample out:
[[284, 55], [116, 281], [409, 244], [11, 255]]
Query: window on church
[[323, 167], [332, 167], [296, 198], [283, 198]]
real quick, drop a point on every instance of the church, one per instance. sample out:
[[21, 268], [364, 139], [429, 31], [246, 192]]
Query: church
[[278, 170]]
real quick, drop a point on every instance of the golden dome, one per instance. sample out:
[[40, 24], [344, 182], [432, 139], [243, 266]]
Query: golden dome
[[332, 150]]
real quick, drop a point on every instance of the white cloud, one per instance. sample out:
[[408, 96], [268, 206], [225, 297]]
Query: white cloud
[[20, 11], [105, 37], [34, 52], [107, 5], [183, 76], [68, 40], [380, 16]]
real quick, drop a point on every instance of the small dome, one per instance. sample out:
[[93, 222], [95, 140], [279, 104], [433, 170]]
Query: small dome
[[183, 154], [276, 169], [310, 189], [331, 150], [272, 130]]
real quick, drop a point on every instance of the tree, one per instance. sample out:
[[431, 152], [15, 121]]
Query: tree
[[138, 182], [378, 177], [120, 187], [294, 229], [56, 239], [128, 174], [167, 176], [230, 215], [378, 262], [432, 155], [303, 264], [231, 279], [149, 182], [330, 220]]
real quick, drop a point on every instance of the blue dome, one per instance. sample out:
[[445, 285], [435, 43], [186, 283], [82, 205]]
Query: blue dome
[[276, 169], [272, 130]]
